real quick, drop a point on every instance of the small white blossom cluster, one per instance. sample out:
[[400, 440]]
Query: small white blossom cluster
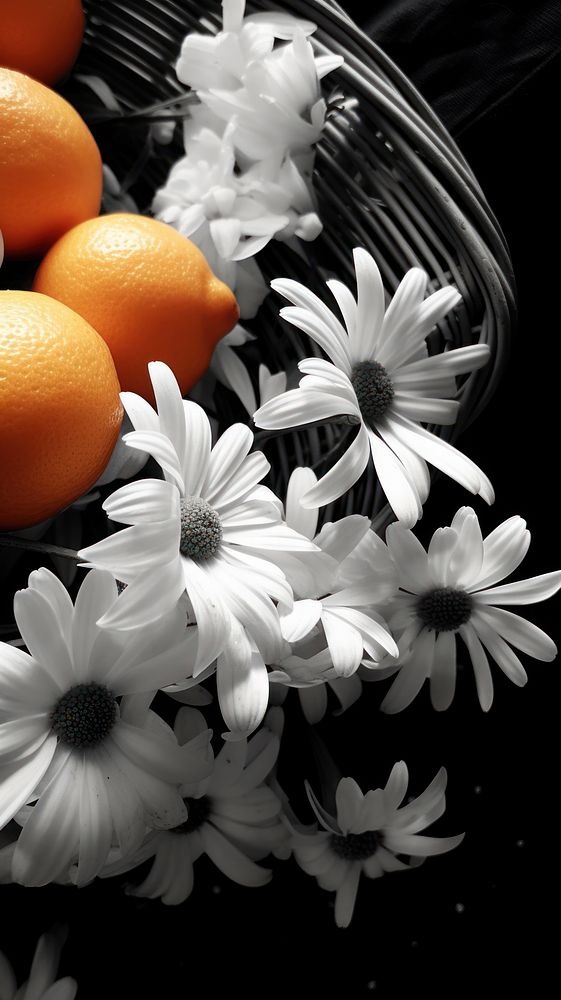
[[246, 176]]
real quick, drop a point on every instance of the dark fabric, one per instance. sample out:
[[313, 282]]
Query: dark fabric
[[464, 56]]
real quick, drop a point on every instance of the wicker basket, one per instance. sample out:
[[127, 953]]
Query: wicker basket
[[388, 176]]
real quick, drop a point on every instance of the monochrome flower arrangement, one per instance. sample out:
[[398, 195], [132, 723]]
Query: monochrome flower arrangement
[[206, 581]]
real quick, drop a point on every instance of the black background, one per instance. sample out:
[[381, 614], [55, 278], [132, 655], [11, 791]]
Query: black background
[[476, 919]]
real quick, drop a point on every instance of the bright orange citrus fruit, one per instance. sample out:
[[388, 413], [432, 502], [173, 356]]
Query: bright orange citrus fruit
[[147, 290], [50, 166], [41, 37], [60, 411]]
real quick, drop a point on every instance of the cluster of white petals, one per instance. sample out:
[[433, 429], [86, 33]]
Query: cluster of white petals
[[368, 833], [249, 145]]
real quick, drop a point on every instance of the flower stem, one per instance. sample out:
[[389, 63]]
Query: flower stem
[[14, 542]]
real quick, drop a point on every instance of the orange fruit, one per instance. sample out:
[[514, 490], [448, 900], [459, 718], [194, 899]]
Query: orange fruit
[[60, 411], [147, 290], [50, 166], [41, 37]]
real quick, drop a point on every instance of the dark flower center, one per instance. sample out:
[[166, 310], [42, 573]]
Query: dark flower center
[[444, 609], [84, 716], [201, 530], [198, 811], [355, 846], [373, 388]]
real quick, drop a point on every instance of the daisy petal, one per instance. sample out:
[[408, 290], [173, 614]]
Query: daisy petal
[[443, 673], [25, 686], [161, 449], [400, 489], [63, 989], [401, 312], [423, 847], [170, 407], [396, 786], [346, 895], [54, 591], [48, 842], [297, 517], [19, 782], [342, 476], [441, 548], [411, 676], [333, 344], [212, 616], [296, 624], [43, 637], [142, 416], [301, 296], [410, 559], [242, 685], [536, 588], [370, 307], [96, 825], [135, 550], [299, 406], [504, 550], [96, 595], [345, 644], [144, 501], [520, 633], [22, 736], [348, 799], [339, 538], [445, 457], [230, 860], [503, 655], [147, 598], [226, 458], [480, 663], [197, 456]]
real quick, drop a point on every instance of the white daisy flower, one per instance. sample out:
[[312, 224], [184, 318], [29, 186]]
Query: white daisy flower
[[279, 108], [451, 591], [381, 377], [368, 834], [206, 530], [351, 574], [205, 200], [221, 60], [233, 817], [69, 748], [42, 983]]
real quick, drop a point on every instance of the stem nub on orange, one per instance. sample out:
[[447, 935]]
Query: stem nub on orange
[[147, 290], [50, 166], [60, 411], [41, 37]]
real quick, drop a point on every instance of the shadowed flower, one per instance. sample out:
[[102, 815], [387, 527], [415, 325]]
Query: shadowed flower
[[370, 834], [451, 591], [233, 817]]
